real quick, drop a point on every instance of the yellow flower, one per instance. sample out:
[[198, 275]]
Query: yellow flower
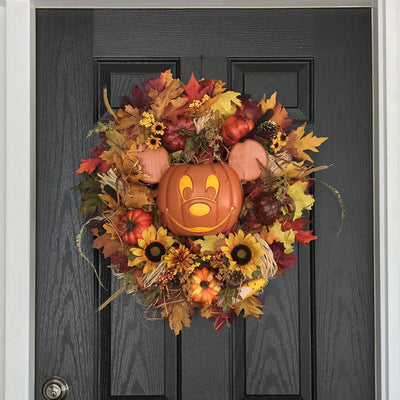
[[147, 119], [279, 142], [243, 253], [198, 103], [152, 248], [153, 142], [158, 128], [282, 137], [180, 260]]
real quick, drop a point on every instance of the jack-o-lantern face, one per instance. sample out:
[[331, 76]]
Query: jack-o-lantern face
[[202, 199]]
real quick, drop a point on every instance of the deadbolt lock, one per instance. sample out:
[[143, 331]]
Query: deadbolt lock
[[55, 388]]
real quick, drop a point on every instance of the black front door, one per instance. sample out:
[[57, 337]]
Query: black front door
[[315, 340]]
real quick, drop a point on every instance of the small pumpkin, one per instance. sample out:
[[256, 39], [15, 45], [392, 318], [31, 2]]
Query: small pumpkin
[[199, 199], [245, 159], [154, 163], [133, 223], [204, 287], [173, 139], [235, 128]]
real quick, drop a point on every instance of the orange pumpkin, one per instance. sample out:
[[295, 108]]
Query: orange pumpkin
[[204, 286], [200, 199]]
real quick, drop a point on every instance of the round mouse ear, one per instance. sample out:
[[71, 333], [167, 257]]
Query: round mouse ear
[[154, 163], [244, 158]]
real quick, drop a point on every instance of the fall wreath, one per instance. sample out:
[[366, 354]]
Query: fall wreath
[[196, 196]]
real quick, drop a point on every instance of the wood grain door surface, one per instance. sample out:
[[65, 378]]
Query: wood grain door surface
[[315, 340]]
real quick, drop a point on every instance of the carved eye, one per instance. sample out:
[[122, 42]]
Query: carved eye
[[212, 181], [185, 182]]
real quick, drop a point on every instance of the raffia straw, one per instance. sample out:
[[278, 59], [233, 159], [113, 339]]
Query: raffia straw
[[151, 277], [107, 104], [110, 178], [268, 264], [339, 199], [78, 242], [277, 164], [111, 298]]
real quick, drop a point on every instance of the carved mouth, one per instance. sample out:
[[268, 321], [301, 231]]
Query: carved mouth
[[198, 229]]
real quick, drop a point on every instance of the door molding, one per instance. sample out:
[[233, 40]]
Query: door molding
[[17, 179]]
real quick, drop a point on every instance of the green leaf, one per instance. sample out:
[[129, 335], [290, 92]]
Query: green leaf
[[186, 132], [256, 274]]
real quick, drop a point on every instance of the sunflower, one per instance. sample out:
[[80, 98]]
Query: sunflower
[[153, 142], [151, 248], [243, 253], [279, 142], [158, 128], [204, 286], [180, 260]]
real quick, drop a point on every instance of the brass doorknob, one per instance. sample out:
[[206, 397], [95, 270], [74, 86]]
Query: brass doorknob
[[55, 388]]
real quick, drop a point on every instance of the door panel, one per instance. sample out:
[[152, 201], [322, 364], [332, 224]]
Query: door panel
[[315, 340]]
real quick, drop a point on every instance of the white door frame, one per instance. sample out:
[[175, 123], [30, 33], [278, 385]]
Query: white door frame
[[17, 178]]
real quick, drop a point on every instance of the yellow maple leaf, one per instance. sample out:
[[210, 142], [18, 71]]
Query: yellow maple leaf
[[108, 156], [299, 171], [110, 229], [297, 143], [275, 233], [267, 104], [226, 103], [302, 201], [116, 140], [211, 244], [178, 315], [251, 306], [136, 195], [110, 202]]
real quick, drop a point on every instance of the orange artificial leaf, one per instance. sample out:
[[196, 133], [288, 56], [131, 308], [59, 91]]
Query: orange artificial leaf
[[170, 95], [193, 90], [109, 228], [105, 241], [127, 117], [297, 144], [167, 77], [88, 165], [267, 104], [280, 117], [251, 306], [178, 315], [305, 237]]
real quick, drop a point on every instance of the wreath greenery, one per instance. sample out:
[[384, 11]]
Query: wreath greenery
[[196, 196]]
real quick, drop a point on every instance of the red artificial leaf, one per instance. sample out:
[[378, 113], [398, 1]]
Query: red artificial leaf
[[221, 318], [140, 99], [250, 221], [109, 245], [295, 225], [154, 83], [209, 85], [280, 117], [193, 90], [250, 108], [121, 260], [282, 259], [305, 237], [90, 164]]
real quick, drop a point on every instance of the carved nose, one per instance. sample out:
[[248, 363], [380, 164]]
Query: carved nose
[[199, 209]]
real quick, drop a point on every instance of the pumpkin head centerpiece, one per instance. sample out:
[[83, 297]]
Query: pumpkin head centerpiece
[[199, 199]]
